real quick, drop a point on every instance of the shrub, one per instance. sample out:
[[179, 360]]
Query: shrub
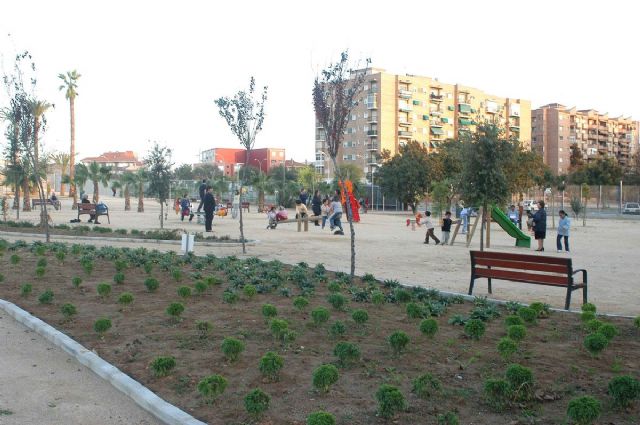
[[125, 298], [256, 402], [229, 297], [278, 328], [270, 365], [334, 287], [212, 280], [148, 267], [40, 272], [584, 410], [324, 377], [520, 379], [46, 297], [398, 341], [636, 322], [474, 328], [337, 329], [337, 301], [346, 352], [507, 347], [414, 311], [26, 289], [200, 287], [175, 310], [231, 348], [161, 366], [425, 386], [429, 327], [517, 332], [152, 284], [204, 328], [120, 265], [448, 418], [497, 393], [360, 317], [377, 297], [300, 303], [102, 325], [60, 256], [593, 325], [118, 278], [88, 267], [269, 311], [589, 307], [390, 401], [184, 291], [177, 274], [68, 310], [212, 387], [104, 289], [320, 315], [608, 330], [595, 343], [528, 315], [402, 295], [76, 281], [624, 390], [513, 320], [15, 259], [120, 231], [321, 418], [42, 262], [249, 291], [586, 316], [541, 308]]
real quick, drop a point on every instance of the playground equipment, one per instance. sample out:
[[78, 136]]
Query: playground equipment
[[522, 240]]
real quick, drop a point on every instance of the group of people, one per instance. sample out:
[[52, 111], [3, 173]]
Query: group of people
[[324, 209], [538, 222], [427, 221]]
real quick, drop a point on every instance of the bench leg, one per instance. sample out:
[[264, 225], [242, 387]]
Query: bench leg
[[567, 302], [471, 285], [108, 219], [490, 289]]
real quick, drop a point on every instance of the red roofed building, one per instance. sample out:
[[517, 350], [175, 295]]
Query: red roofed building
[[118, 161]]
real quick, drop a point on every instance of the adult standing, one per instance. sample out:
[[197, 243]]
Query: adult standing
[[563, 231], [540, 225], [235, 206], [304, 196], [209, 203], [316, 205], [201, 191]]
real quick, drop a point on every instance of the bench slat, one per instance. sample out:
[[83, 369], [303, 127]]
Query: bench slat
[[522, 265], [520, 257], [540, 279]]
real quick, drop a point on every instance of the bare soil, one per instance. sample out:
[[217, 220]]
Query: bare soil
[[553, 348]]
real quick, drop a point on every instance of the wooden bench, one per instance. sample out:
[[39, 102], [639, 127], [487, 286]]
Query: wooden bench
[[90, 209], [36, 202], [245, 206], [302, 220], [527, 268]]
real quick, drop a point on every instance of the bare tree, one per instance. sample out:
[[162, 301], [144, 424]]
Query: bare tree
[[336, 93], [244, 114]]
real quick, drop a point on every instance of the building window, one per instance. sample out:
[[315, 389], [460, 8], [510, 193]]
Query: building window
[[561, 138], [560, 149], [560, 160], [560, 128], [353, 117]]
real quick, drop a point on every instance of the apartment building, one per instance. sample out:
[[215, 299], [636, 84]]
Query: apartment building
[[228, 160], [555, 128], [395, 109], [118, 161]]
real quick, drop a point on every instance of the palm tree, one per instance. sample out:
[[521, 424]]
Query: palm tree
[[38, 109], [61, 159], [98, 174], [70, 84], [80, 177], [128, 180], [142, 176], [13, 116]]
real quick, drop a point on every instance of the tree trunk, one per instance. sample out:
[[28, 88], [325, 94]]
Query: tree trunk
[[261, 200], [140, 198], [26, 202], [161, 215], [127, 199], [44, 213], [72, 153], [244, 249], [62, 188], [352, 230], [482, 222], [96, 195]]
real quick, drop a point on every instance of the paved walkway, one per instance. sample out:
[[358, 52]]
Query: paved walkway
[[41, 385]]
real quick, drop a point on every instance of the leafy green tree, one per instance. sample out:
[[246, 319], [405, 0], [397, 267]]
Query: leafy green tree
[[408, 174], [158, 163], [183, 172], [128, 180], [335, 95], [244, 115], [602, 171], [61, 160], [486, 158], [142, 177], [70, 85], [206, 171], [525, 169], [98, 174]]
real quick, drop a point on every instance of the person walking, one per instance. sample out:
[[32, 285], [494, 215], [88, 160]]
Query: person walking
[[563, 231], [428, 223], [209, 204], [316, 205], [540, 225], [201, 191], [446, 227]]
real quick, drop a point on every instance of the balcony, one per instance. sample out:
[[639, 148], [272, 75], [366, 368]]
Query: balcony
[[404, 94], [436, 97], [435, 113], [371, 159], [464, 121], [405, 134], [371, 101], [450, 108], [434, 123], [405, 123], [436, 132], [464, 108], [371, 146], [321, 138], [373, 119], [445, 120], [514, 127], [405, 108], [372, 133]]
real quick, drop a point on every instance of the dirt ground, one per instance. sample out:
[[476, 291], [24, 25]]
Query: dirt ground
[[389, 250], [143, 331]]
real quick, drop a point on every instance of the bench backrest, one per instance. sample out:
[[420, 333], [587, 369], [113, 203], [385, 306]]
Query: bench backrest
[[245, 204], [86, 207], [522, 267]]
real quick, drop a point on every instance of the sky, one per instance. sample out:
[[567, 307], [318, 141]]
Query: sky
[[151, 70]]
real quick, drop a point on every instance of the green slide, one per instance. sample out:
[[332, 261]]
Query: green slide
[[501, 218]]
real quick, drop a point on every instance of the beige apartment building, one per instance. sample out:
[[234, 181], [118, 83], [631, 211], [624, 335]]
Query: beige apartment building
[[395, 109], [555, 128]]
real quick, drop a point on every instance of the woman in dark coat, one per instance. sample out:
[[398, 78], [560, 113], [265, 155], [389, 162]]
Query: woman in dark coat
[[316, 205], [540, 225]]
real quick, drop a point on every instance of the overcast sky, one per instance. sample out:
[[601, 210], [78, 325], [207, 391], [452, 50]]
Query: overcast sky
[[151, 69]]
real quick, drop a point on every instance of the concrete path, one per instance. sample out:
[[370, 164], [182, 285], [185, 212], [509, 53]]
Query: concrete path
[[41, 385]]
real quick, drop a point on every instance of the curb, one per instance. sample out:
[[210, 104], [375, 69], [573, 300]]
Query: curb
[[151, 241], [141, 395]]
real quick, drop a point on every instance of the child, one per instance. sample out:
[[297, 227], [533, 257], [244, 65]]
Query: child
[[446, 227], [326, 206], [430, 226], [301, 209], [563, 231], [185, 206], [273, 217]]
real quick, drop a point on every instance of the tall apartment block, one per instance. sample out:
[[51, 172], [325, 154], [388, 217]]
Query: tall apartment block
[[395, 109], [555, 128]]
